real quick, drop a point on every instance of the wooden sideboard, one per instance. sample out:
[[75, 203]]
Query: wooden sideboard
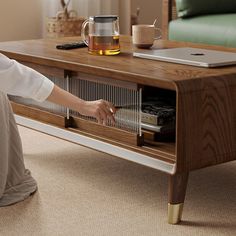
[[205, 108]]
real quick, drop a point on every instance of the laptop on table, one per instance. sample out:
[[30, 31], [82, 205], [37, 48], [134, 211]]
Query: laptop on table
[[190, 56]]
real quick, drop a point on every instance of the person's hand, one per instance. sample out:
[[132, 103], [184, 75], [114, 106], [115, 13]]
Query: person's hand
[[100, 109]]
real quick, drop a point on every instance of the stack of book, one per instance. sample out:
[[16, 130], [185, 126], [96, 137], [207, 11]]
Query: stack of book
[[158, 117]]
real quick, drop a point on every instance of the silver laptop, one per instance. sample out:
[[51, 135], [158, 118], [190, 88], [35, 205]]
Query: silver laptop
[[190, 56]]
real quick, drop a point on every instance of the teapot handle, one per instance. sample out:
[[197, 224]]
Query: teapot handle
[[83, 35], [157, 30]]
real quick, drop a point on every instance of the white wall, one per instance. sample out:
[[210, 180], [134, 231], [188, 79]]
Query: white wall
[[125, 13], [94, 7], [109, 6], [149, 10], [20, 19], [25, 19]]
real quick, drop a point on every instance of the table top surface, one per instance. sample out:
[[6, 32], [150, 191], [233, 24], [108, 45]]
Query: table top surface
[[123, 66]]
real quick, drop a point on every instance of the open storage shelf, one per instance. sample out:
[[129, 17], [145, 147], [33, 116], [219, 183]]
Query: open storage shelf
[[157, 141], [162, 148]]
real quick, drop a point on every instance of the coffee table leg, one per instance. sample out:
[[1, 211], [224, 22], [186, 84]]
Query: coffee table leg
[[177, 190]]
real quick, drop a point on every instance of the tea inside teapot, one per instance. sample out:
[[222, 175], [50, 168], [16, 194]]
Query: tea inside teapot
[[103, 34]]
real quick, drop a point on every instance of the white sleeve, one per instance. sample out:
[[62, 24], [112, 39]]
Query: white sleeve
[[20, 80]]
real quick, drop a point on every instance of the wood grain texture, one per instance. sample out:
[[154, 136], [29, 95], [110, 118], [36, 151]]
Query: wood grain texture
[[206, 122], [46, 70], [166, 17], [160, 151], [169, 13], [173, 10], [44, 52], [177, 187], [106, 131], [122, 67], [39, 114]]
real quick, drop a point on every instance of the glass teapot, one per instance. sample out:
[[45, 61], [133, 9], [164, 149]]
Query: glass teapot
[[102, 35]]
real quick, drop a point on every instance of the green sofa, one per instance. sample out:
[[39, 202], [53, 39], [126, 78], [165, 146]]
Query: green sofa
[[203, 21]]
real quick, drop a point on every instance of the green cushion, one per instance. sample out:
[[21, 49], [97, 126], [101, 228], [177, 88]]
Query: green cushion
[[210, 29], [187, 8]]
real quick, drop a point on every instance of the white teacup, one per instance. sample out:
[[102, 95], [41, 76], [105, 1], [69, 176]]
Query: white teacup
[[143, 36]]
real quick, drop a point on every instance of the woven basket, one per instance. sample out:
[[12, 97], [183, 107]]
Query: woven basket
[[60, 26]]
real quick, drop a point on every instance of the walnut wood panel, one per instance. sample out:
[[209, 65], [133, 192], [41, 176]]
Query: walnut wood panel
[[164, 148], [161, 151], [121, 67], [206, 122], [103, 80], [168, 13], [174, 10], [177, 187], [44, 52], [148, 135], [106, 131], [166, 17], [38, 114], [46, 70]]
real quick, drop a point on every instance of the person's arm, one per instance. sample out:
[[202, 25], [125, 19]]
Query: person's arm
[[100, 109], [20, 80], [17, 79]]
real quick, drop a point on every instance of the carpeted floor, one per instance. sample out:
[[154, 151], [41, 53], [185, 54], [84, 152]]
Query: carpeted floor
[[84, 192]]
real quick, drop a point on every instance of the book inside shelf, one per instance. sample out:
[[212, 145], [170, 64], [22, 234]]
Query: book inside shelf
[[158, 114]]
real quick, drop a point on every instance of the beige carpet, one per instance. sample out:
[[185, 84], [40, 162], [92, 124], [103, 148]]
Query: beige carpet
[[84, 192]]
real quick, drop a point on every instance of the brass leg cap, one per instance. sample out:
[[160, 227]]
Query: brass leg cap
[[175, 213]]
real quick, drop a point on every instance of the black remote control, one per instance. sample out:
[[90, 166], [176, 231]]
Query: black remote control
[[67, 46]]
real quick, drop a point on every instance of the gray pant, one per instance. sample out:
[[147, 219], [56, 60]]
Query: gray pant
[[16, 182]]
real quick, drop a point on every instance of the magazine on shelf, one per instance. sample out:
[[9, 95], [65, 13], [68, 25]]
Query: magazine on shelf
[[170, 128], [157, 113]]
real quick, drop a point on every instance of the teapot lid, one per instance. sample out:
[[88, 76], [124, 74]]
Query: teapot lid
[[104, 18]]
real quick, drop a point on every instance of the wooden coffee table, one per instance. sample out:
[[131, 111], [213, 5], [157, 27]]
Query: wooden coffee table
[[205, 108]]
